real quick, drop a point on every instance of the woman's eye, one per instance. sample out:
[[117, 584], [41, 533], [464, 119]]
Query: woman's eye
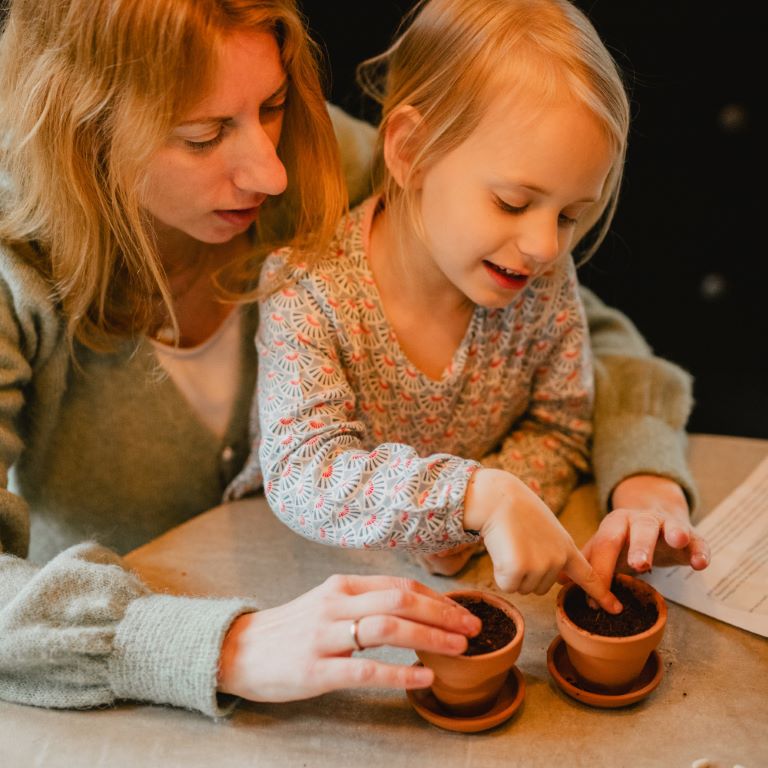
[[201, 146], [568, 221], [270, 110]]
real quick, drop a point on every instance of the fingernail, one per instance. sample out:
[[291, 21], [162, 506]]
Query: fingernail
[[616, 606], [458, 643], [472, 624], [422, 677], [638, 559]]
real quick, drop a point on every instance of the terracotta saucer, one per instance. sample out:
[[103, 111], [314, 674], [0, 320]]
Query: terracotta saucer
[[568, 680], [510, 698]]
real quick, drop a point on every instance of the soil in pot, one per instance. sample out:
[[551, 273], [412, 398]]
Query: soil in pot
[[497, 631], [636, 617]]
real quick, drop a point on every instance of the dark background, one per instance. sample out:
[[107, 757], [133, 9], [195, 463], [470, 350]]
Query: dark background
[[684, 259]]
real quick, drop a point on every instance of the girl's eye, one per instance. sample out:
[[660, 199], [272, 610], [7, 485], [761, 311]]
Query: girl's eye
[[507, 208], [564, 221], [201, 146]]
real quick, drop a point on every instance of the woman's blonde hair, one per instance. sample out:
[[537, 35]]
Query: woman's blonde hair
[[89, 89], [455, 56]]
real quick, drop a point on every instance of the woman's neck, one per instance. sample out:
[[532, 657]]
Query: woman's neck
[[190, 267]]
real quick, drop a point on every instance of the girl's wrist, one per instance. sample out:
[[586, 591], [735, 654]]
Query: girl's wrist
[[487, 491], [473, 520]]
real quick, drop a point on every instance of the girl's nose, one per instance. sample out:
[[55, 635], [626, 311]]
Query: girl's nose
[[540, 239], [256, 167]]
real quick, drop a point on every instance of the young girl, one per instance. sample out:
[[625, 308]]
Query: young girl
[[444, 325]]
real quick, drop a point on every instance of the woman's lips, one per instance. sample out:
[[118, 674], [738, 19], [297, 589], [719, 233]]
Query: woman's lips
[[239, 217]]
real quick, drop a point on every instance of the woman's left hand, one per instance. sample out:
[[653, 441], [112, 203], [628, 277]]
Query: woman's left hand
[[649, 525], [305, 648]]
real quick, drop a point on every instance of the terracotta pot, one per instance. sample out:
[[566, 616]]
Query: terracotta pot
[[612, 663], [468, 685]]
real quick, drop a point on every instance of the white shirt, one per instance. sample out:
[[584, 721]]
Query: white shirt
[[207, 375]]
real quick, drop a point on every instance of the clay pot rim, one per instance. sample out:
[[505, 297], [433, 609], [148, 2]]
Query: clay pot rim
[[628, 581], [497, 601]]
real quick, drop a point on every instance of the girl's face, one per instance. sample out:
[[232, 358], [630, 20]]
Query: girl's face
[[220, 163], [501, 207]]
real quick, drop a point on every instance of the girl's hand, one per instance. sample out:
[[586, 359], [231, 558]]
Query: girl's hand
[[304, 648], [449, 561], [528, 545], [649, 525]]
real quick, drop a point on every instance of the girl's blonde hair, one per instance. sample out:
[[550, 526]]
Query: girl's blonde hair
[[89, 89], [455, 56]]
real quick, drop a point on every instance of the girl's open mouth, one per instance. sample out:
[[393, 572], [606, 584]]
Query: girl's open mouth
[[507, 278]]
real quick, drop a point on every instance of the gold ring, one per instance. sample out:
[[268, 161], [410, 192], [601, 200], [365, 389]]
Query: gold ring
[[353, 631]]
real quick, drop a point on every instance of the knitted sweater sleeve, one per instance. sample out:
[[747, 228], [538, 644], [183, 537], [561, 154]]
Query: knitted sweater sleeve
[[642, 404], [81, 631]]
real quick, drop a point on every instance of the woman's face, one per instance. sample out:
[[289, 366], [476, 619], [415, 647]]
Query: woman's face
[[220, 162]]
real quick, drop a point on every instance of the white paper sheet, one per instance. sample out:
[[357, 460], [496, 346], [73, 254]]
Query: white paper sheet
[[734, 588]]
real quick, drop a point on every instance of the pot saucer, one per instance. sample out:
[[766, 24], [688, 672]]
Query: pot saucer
[[509, 700], [568, 680]]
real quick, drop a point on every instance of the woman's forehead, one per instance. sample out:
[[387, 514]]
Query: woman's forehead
[[247, 68]]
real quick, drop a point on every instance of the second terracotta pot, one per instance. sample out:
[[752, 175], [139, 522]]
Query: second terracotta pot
[[612, 663], [468, 685]]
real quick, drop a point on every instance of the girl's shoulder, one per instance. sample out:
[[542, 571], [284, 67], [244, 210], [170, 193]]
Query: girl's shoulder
[[347, 248], [341, 268]]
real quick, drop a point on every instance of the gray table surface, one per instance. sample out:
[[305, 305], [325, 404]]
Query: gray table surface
[[712, 702]]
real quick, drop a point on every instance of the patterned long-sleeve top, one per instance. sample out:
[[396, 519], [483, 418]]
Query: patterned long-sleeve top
[[359, 448]]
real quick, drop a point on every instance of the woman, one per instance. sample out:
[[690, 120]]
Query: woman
[[152, 153]]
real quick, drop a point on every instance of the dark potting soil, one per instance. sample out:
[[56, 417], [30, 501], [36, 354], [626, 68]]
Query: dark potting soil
[[636, 617], [498, 629]]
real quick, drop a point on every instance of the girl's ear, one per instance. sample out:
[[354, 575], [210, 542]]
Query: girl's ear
[[401, 132]]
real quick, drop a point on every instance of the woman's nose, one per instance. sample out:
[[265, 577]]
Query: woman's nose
[[256, 166]]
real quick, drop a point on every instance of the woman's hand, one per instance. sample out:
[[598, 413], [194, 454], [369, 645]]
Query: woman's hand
[[527, 544], [649, 525], [304, 648]]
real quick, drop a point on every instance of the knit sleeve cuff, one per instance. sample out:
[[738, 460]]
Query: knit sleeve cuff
[[166, 650], [657, 449]]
